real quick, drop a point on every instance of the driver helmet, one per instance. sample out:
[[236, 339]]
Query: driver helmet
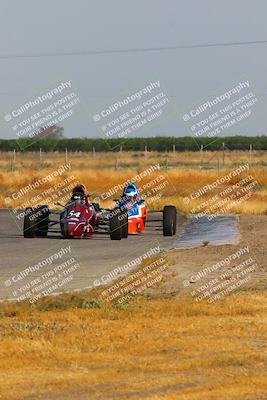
[[81, 189], [130, 190], [79, 193]]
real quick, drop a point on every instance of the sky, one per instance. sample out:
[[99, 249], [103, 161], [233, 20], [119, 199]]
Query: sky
[[111, 50]]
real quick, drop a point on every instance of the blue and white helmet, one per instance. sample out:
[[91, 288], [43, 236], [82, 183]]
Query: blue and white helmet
[[130, 190]]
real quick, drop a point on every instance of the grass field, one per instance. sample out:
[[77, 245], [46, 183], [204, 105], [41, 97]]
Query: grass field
[[183, 174], [170, 348]]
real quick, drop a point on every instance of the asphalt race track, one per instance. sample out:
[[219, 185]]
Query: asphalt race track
[[31, 260]]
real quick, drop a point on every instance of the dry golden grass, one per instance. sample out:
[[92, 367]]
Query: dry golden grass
[[168, 348], [186, 173]]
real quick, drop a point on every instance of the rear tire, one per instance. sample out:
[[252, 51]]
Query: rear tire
[[29, 225], [175, 218], [115, 226], [169, 220]]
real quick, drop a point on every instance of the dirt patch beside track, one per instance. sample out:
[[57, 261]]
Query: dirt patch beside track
[[186, 263]]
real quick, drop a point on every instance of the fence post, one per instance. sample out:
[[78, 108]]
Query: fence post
[[223, 149], [13, 161], [40, 155], [146, 151], [66, 155], [250, 154], [201, 155], [173, 148], [166, 163], [93, 151]]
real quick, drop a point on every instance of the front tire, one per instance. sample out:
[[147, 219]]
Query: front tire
[[115, 226], [124, 224], [169, 220], [29, 225], [42, 220]]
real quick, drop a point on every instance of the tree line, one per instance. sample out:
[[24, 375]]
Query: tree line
[[158, 143]]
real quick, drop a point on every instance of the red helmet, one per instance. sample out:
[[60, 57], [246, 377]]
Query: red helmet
[[79, 189]]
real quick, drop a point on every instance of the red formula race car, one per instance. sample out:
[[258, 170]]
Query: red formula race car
[[75, 220]]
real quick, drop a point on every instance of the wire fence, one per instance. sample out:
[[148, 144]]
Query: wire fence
[[203, 159]]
